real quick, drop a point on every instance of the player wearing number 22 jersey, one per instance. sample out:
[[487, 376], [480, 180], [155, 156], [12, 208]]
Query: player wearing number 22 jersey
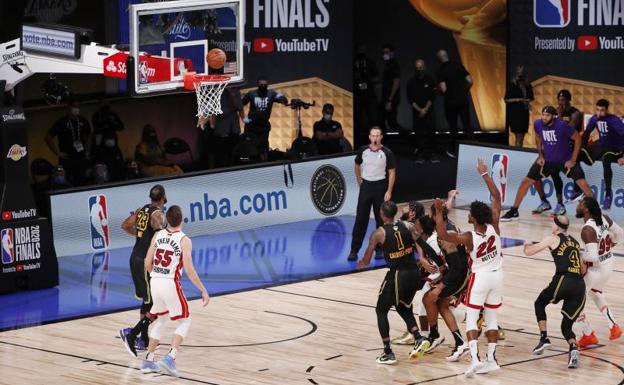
[[485, 286], [599, 234]]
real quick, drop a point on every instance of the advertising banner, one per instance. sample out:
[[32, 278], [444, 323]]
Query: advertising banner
[[88, 221], [576, 39], [508, 167]]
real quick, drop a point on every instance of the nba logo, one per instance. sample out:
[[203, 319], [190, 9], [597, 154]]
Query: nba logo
[[551, 13], [98, 216], [499, 169], [8, 252]]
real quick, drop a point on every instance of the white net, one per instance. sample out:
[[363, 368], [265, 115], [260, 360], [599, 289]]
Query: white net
[[209, 90]]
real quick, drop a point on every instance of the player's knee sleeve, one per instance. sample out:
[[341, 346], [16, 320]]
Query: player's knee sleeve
[[566, 328], [183, 327], [472, 316], [146, 307], [459, 313], [540, 307], [490, 319], [157, 328]]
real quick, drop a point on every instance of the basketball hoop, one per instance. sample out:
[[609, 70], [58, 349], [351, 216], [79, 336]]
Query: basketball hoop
[[208, 89]]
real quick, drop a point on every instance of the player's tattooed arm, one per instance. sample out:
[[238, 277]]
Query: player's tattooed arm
[[376, 238], [158, 220], [494, 193], [443, 234], [129, 224]]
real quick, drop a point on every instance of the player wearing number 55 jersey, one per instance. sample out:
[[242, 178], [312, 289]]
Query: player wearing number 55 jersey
[[485, 286], [170, 250], [599, 234]]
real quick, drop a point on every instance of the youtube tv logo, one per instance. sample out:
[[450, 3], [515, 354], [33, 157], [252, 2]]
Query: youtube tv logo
[[263, 45], [587, 43], [7, 216]]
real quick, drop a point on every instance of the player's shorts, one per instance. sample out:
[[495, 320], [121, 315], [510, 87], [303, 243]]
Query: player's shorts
[[537, 172], [596, 277], [399, 287], [169, 299], [485, 289], [596, 152], [455, 282], [570, 290], [141, 279]]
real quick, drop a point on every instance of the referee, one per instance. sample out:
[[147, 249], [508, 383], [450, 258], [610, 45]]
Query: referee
[[375, 171]]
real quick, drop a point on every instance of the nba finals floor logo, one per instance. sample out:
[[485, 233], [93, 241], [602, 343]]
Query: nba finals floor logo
[[8, 249], [499, 171], [98, 217], [551, 13], [328, 189]]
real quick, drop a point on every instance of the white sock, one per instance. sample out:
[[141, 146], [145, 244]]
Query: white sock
[[584, 325], [491, 353], [173, 353], [424, 333], [149, 356], [474, 351]]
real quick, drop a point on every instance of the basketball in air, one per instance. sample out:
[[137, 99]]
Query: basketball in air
[[216, 58]]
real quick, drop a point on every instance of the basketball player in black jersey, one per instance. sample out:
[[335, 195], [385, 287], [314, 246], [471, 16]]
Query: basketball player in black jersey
[[567, 284], [143, 223], [453, 283], [401, 282]]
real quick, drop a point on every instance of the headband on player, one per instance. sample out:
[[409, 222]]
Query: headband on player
[[558, 223], [550, 110]]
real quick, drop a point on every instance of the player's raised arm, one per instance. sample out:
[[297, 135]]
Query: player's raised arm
[[463, 238], [187, 248], [494, 193]]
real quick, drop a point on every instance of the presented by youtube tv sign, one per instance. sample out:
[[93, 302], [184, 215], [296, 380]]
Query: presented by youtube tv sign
[[578, 39]]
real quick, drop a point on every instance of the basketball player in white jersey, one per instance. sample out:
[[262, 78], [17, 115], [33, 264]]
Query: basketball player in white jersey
[[599, 233], [485, 286], [169, 251]]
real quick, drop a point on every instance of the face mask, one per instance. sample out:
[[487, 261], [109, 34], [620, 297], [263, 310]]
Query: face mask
[[420, 72], [75, 111], [110, 143], [327, 117], [386, 56], [262, 89], [58, 180]]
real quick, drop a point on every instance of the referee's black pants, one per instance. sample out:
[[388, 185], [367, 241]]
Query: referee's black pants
[[371, 194]]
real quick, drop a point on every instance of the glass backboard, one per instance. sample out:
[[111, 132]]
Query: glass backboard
[[171, 38]]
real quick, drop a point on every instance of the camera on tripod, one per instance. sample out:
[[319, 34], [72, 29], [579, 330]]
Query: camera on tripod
[[297, 104]]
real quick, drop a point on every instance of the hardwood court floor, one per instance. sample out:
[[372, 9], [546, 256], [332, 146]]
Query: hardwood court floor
[[321, 332]]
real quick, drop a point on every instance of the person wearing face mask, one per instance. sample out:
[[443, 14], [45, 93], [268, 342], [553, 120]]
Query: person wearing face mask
[[257, 122], [73, 150], [365, 77], [107, 152], [518, 98], [105, 122], [151, 157], [328, 132], [390, 89], [421, 90]]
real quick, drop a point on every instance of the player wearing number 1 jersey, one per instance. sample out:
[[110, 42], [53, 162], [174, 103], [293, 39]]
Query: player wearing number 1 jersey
[[600, 233], [169, 252], [485, 286]]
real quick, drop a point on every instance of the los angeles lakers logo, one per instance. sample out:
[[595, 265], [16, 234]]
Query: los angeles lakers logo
[[16, 152]]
